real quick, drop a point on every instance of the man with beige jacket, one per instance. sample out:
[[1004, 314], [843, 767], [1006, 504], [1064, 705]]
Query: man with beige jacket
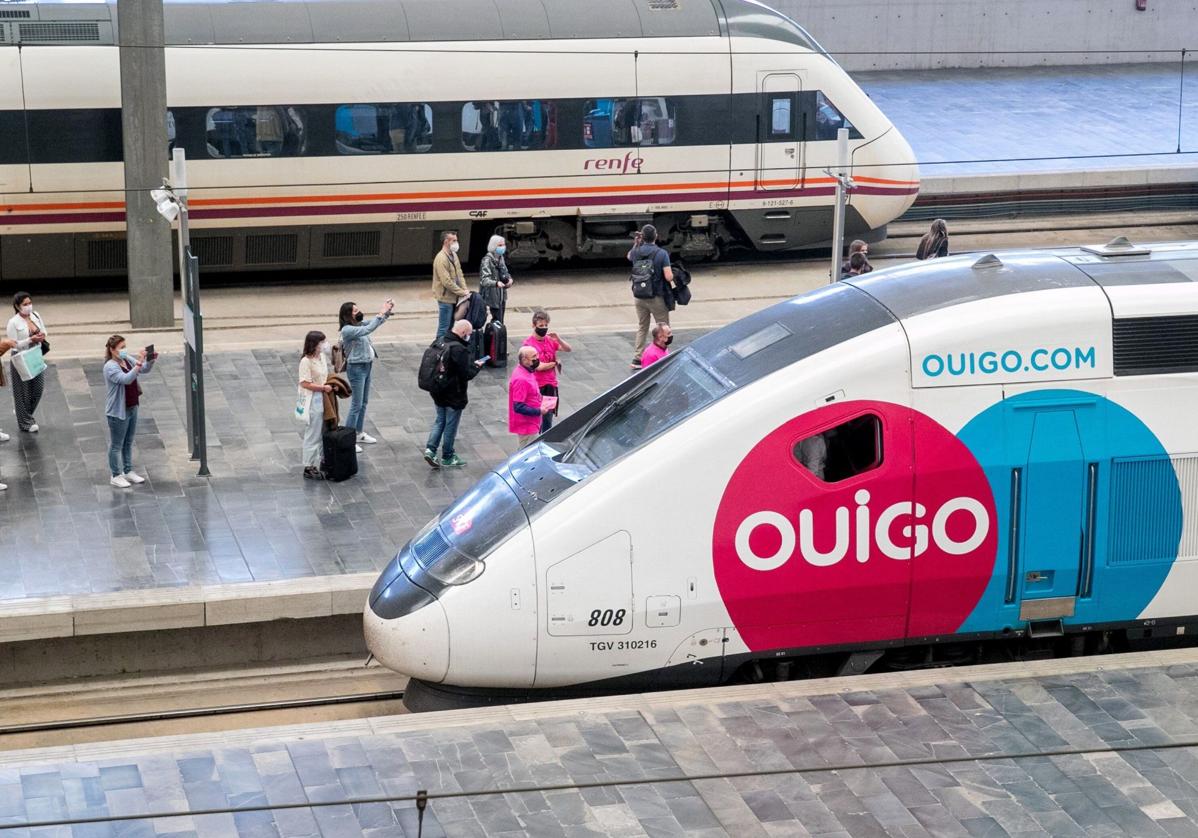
[[449, 284]]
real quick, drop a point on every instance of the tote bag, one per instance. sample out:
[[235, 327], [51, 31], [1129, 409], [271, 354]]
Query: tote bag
[[29, 363]]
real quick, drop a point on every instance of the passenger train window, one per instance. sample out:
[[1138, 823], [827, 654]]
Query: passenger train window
[[256, 131], [623, 122], [844, 451], [781, 117], [828, 120], [508, 126], [400, 128]]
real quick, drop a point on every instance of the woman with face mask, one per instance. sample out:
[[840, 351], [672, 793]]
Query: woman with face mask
[[359, 362], [28, 330], [121, 371], [494, 278], [309, 405], [547, 344]]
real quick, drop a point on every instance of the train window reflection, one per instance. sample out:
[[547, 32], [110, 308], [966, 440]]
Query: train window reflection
[[781, 119], [261, 131], [681, 388], [623, 122], [490, 125], [828, 119], [399, 128], [851, 448]]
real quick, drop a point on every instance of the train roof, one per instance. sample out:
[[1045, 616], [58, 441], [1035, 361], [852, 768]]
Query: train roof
[[195, 22]]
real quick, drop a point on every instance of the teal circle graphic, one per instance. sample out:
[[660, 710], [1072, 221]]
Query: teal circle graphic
[[1096, 501]]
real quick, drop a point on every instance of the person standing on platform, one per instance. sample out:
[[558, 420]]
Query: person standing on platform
[[359, 362], [27, 329], [547, 344], [5, 345], [647, 258], [494, 278], [524, 400], [659, 348], [449, 284], [121, 371], [934, 243], [451, 400], [313, 373], [863, 266]]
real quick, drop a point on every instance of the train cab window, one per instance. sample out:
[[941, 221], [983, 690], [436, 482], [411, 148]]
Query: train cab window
[[828, 120], [508, 126], [844, 451], [610, 123], [782, 117], [256, 131], [400, 128]]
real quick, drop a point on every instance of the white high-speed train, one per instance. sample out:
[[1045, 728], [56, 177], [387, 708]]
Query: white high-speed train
[[957, 450], [337, 133]]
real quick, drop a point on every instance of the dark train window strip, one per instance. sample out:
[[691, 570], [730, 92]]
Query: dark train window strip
[[281, 130]]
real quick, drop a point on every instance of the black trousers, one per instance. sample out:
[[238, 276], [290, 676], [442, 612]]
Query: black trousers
[[547, 419]]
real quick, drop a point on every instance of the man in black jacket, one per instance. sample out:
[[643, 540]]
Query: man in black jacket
[[451, 399]]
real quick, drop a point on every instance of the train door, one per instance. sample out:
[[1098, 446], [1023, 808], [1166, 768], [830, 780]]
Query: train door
[[1052, 494], [780, 133]]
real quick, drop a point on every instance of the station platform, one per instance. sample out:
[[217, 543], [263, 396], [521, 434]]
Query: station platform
[[1077, 747], [1122, 136]]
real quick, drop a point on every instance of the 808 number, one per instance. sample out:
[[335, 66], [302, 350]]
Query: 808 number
[[607, 617]]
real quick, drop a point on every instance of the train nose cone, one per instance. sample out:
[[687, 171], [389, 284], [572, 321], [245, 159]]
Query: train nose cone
[[416, 644]]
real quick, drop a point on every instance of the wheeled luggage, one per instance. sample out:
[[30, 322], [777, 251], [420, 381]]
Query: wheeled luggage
[[340, 460], [495, 344]]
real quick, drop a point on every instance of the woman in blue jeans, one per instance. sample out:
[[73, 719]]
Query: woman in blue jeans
[[359, 361], [121, 371]]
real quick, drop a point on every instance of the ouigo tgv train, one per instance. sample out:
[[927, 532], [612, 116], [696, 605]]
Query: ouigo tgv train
[[332, 134], [958, 450]]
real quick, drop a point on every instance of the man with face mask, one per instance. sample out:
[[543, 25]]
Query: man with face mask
[[449, 284], [525, 404], [547, 344], [659, 348]]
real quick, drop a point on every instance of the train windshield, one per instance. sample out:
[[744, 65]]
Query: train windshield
[[681, 387]]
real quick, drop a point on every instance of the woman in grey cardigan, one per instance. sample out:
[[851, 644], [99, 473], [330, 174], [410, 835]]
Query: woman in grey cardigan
[[494, 278], [121, 371]]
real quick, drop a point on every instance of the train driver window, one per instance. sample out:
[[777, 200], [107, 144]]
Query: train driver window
[[262, 131], [781, 117], [828, 120], [515, 125], [401, 128], [610, 123], [851, 448]]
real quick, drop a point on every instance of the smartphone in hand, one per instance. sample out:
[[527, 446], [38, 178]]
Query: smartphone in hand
[[483, 360], [151, 355]]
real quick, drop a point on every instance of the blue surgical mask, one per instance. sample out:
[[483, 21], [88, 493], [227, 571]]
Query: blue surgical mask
[[502, 249], [123, 354]]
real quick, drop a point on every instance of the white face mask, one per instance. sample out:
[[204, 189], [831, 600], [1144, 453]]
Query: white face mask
[[324, 348], [27, 309], [453, 248]]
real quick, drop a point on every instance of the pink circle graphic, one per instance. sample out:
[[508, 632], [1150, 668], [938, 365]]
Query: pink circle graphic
[[901, 547]]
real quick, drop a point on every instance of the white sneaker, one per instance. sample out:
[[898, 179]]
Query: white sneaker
[[366, 438], [4, 437], [120, 482], [3, 487], [132, 477], [33, 428], [357, 449]]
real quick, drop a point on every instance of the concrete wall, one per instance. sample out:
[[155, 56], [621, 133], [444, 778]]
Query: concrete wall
[[923, 34]]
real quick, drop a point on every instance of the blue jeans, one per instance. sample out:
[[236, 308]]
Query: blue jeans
[[359, 382], [120, 444], [444, 318], [445, 431]]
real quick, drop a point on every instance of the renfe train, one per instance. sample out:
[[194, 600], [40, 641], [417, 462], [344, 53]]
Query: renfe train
[[958, 450], [339, 133]]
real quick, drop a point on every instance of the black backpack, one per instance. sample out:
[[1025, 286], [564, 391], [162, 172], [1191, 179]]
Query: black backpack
[[643, 286], [433, 375]]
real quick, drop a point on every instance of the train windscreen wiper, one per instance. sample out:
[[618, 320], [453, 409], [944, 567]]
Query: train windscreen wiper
[[607, 410]]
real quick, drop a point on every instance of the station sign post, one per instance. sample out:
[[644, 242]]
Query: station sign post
[[843, 184]]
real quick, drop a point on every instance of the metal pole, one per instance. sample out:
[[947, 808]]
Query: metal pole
[[193, 328], [842, 174]]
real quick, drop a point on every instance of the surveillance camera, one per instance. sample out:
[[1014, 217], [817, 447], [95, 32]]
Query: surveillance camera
[[168, 209], [160, 195]]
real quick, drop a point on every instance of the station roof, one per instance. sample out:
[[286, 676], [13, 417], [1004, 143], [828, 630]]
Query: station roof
[[382, 21]]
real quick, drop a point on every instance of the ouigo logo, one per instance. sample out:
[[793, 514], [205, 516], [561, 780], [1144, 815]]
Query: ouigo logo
[[903, 547]]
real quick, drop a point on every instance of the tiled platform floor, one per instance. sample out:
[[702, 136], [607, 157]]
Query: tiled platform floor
[[64, 530], [1051, 749], [1096, 114]]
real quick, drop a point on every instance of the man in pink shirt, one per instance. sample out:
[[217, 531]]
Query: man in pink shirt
[[524, 404], [547, 344], [659, 348]]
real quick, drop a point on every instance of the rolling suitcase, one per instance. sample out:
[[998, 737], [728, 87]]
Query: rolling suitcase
[[340, 460], [495, 344]]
